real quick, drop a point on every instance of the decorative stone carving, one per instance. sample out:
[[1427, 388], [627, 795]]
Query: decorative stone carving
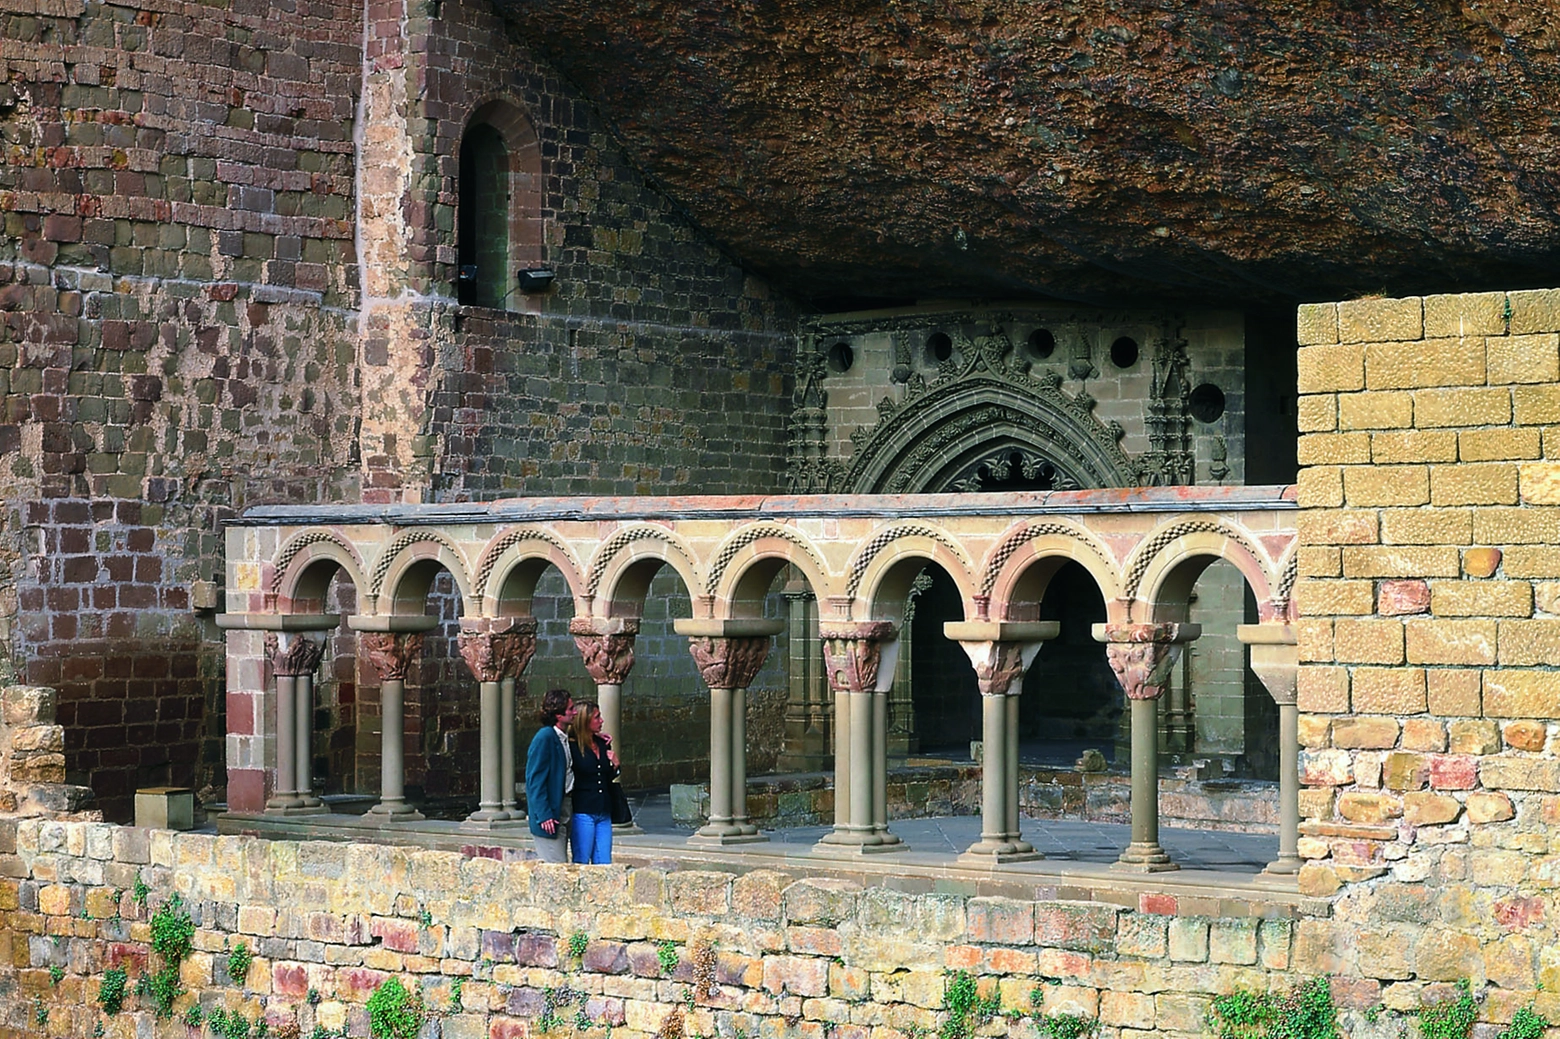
[[852, 652], [729, 662], [391, 652], [997, 665], [293, 654], [1169, 460], [1142, 655], [495, 655], [608, 656]]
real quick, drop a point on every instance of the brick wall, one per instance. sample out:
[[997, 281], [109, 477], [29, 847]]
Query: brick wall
[[176, 190], [772, 953], [186, 330], [1430, 633]]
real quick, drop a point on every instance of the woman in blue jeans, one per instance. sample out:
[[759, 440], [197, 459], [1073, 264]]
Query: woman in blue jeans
[[595, 767]]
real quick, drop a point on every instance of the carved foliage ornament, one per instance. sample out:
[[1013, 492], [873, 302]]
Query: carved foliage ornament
[[1142, 656], [608, 658], [997, 665], [292, 654]]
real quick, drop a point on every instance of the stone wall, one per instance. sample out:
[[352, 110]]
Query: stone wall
[[486, 942], [1429, 599], [32, 758], [227, 279]]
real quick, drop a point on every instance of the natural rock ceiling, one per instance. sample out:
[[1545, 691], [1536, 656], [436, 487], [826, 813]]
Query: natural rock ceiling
[[1242, 151]]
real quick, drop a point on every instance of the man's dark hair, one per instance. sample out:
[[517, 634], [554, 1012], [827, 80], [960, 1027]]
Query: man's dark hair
[[554, 703]]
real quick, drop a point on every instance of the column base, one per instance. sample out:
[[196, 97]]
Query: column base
[[1283, 871], [627, 830], [720, 840], [1144, 858], [491, 819], [990, 853], [299, 809], [847, 843], [394, 812]]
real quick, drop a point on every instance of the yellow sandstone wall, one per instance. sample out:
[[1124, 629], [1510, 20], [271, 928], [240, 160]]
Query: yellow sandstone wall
[[1429, 597]]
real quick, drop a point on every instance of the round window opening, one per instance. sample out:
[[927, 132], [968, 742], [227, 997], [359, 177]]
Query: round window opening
[[841, 357], [1206, 403], [939, 347], [1042, 344], [1124, 352]]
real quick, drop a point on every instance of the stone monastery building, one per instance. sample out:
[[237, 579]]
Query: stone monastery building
[[360, 381]]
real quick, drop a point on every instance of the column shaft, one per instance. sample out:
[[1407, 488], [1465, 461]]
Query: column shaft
[[720, 824], [490, 804], [994, 768], [739, 809], [392, 751], [303, 741], [506, 748], [1144, 853], [285, 795], [1288, 862], [880, 769]]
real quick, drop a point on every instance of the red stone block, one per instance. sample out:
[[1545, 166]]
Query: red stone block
[[1400, 598], [290, 979], [509, 1028], [356, 984], [397, 935], [1454, 772], [1164, 905], [1517, 914]]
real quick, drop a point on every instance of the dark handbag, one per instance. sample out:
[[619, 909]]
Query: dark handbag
[[621, 814]]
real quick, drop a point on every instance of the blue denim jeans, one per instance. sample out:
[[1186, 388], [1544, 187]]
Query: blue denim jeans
[[590, 838]]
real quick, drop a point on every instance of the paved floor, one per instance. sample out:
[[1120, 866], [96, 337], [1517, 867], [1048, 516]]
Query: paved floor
[[1057, 841]]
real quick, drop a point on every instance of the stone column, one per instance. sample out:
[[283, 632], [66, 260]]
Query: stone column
[[607, 647], [295, 656], [1142, 655], [808, 730], [522, 647], [729, 655], [1275, 659], [1001, 651], [859, 658], [390, 643], [489, 647]]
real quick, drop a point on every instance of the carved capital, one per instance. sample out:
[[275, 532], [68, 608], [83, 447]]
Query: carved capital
[[729, 662], [391, 652], [494, 655], [852, 653], [1142, 655], [997, 665], [608, 658], [294, 653]]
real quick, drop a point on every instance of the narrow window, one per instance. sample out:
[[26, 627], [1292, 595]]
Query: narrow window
[[485, 278]]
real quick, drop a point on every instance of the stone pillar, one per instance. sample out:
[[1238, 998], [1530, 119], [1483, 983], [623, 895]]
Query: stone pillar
[[1142, 655], [1000, 651], [390, 643], [729, 655], [490, 647], [522, 647], [1275, 659], [607, 647], [808, 741], [294, 656], [860, 658]]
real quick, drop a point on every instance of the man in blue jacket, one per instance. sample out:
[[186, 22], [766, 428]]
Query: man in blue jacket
[[549, 778]]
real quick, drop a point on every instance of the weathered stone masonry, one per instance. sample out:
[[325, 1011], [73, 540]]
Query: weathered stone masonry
[[781, 954], [188, 330]]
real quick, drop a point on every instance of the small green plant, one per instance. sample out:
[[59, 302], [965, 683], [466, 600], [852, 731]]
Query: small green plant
[[965, 1007], [192, 1016], [577, 943], [217, 1021], [666, 954], [455, 990], [424, 919], [56, 974], [162, 987], [1071, 1026], [1307, 1012], [173, 932], [238, 961], [1526, 1023], [40, 1013], [139, 892], [313, 997], [111, 993], [1450, 1018], [394, 1012], [320, 1032]]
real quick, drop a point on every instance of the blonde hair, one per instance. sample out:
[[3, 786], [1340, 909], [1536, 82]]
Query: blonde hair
[[579, 728]]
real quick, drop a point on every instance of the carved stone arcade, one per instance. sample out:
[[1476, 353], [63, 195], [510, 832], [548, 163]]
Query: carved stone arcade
[[857, 558]]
